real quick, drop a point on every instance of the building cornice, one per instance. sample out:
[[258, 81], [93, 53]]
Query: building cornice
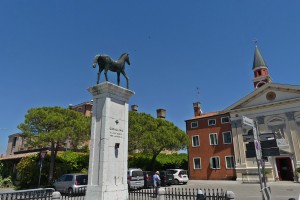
[[269, 105]]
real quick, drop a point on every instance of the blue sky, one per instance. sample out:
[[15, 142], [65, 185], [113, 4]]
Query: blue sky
[[47, 49]]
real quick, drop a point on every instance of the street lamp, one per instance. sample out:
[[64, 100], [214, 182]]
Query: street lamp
[[42, 156]]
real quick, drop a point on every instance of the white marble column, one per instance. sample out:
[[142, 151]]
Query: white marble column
[[109, 143]]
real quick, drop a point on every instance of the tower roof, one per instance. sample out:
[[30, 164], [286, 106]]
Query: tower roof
[[258, 59]]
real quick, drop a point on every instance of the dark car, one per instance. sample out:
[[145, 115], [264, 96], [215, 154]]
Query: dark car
[[148, 179], [166, 178]]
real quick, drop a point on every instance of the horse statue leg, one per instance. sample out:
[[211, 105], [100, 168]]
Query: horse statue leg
[[105, 72], [127, 79], [98, 77], [118, 75], [99, 72]]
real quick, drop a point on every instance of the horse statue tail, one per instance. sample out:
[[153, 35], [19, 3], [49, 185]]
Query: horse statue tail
[[95, 60]]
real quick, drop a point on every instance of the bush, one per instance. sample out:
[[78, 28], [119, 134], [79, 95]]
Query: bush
[[298, 170], [163, 161], [28, 168], [6, 182]]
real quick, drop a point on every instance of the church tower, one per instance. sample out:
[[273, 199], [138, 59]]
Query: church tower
[[260, 69]]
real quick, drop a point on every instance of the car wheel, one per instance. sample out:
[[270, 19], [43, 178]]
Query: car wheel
[[70, 192], [176, 182], [184, 183]]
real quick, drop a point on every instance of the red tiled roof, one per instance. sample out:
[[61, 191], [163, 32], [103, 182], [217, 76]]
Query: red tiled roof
[[17, 156]]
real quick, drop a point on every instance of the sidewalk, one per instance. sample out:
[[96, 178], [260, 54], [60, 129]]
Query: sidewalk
[[250, 191]]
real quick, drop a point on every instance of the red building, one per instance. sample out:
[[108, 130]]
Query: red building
[[211, 153]]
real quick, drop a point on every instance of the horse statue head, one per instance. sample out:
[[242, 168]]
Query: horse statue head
[[125, 56], [106, 63]]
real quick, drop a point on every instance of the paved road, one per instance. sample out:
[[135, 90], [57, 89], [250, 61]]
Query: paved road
[[249, 191], [243, 191]]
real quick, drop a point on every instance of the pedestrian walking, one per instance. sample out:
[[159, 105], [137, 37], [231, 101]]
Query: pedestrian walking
[[156, 183]]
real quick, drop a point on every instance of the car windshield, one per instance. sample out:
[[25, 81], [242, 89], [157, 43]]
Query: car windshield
[[183, 172], [137, 173], [82, 179]]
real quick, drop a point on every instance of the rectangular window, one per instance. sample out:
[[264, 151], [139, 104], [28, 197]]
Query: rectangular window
[[213, 139], [214, 163], [229, 162], [14, 141], [211, 122], [194, 124], [227, 139], [224, 120], [197, 163], [195, 141]]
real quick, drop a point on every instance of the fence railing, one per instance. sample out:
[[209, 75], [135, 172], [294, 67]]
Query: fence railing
[[34, 194], [178, 194], [144, 194]]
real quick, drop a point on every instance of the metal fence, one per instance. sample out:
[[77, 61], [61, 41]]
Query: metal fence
[[35, 194], [145, 194], [77, 194], [178, 194]]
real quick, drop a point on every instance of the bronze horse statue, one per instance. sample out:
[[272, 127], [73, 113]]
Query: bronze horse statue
[[106, 63]]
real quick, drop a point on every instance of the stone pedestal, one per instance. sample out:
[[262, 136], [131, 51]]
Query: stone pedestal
[[109, 143]]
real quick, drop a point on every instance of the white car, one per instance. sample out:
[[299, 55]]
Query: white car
[[180, 176], [135, 178]]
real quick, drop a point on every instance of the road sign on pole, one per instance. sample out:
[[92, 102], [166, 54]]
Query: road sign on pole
[[247, 121], [250, 122]]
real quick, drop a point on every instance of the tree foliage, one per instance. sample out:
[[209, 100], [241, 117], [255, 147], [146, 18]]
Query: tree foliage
[[51, 127], [163, 161], [153, 135], [68, 162]]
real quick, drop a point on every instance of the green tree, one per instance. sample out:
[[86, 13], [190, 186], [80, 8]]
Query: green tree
[[153, 135], [51, 127]]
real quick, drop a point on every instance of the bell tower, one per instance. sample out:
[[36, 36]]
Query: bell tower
[[260, 69]]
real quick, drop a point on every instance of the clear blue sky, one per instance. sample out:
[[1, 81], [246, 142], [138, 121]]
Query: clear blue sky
[[47, 49]]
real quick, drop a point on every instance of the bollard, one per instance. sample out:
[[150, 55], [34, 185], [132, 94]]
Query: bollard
[[230, 195], [200, 195], [161, 194], [56, 195]]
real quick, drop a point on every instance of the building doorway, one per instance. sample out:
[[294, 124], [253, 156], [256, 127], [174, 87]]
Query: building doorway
[[285, 169]]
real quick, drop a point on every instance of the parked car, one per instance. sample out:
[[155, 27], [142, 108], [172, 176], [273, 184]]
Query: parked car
[[71, 184], [135, 178], [180, 176], [166, 177], [148, 179]]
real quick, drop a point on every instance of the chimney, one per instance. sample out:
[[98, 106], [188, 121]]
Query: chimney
[[134, 108], [197, 108], [161, 113]]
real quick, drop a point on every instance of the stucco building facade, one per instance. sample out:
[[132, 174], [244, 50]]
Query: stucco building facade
[[211, 153], [276, 109]]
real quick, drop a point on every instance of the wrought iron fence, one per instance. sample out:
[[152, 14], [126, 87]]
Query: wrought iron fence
[[178, 194], [34, 194], [77, 194]]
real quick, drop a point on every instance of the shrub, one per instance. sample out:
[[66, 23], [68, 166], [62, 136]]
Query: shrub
[[67, 162], [6, 182], [163, 161]]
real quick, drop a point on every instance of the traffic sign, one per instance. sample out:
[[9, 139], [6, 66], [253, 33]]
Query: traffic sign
[[247, 121], [250, 154], [43, 154], [270, 152], [248, 138], [250, 146], [268, 144]]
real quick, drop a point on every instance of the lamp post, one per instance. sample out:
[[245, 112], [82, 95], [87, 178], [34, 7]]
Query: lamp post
[[42, 156]]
